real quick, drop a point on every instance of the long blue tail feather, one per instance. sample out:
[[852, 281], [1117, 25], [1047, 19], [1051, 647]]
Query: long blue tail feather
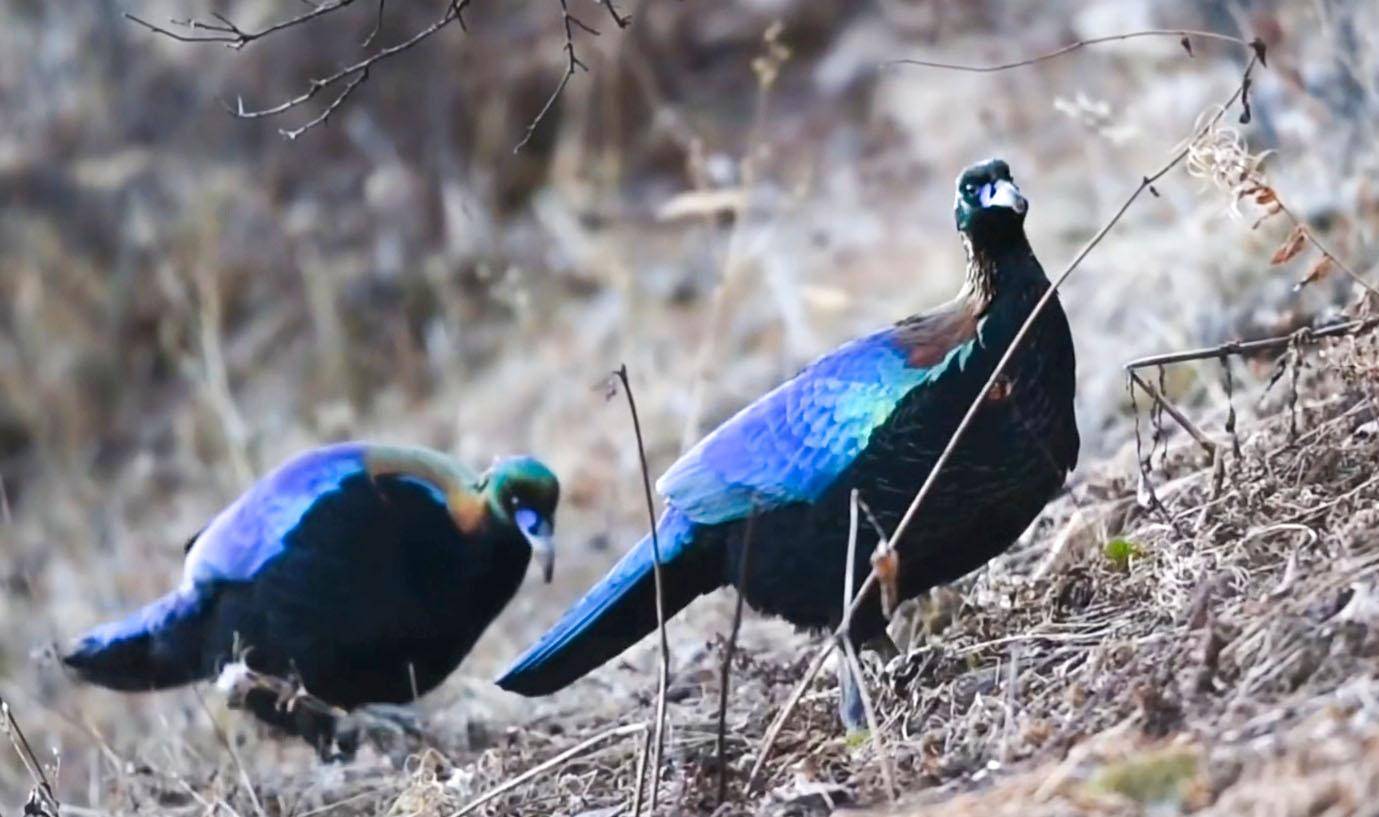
[[156, 647], [618, 611]]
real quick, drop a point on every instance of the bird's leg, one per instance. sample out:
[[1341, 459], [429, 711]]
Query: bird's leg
[[850, 708]]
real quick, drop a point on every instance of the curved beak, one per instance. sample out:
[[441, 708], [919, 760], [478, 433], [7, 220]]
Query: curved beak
[[1003, 193], [544, 550]]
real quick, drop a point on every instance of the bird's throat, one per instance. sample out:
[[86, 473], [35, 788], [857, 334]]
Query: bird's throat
[[992, 266]]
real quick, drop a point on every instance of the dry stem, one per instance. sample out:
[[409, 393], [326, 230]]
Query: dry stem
[[1183, 36], [726, 672], [559, 760], [659, 741], [42, 794], [855, 666]]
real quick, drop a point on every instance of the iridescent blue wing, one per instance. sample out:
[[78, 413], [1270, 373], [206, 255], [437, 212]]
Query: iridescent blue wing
[[251, 530], [791, 444]]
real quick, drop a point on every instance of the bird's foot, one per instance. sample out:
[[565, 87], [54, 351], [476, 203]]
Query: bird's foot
[[392, 729], [338, 744], [398, 719]]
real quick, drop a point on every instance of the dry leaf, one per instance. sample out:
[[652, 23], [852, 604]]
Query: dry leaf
[[1273, 210], [886, 563], [1262, 194], [1291, 247], [1319, 270]]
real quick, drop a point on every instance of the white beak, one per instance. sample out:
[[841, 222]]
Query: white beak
[[1002, 193], [544, 549]]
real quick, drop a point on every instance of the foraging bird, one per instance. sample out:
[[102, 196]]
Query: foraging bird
[[873, 415], [365, 572]]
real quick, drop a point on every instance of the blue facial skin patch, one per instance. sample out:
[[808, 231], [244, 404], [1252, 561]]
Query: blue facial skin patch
[[529, 521]]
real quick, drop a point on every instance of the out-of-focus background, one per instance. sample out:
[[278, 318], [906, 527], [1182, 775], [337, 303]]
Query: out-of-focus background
[[734, 187]]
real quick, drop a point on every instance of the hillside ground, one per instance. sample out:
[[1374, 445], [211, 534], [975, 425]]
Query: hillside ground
[[185, 298]]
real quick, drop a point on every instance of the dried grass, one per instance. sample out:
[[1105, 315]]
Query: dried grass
[[182, 301]]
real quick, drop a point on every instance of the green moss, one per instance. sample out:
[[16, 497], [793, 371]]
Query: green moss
[[858, 739], [1150, 778], [1119, 552]]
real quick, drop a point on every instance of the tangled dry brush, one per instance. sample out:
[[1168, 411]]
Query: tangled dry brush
[[1193, 627]]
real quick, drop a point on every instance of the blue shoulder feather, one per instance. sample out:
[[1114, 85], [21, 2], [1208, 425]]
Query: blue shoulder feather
[[791, 444], [251, 530]]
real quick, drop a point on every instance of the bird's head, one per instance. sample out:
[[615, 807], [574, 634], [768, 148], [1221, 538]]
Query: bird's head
[[523, 492], [988, 205]]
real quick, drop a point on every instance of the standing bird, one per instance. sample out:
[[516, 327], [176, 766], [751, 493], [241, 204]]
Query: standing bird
[[365, 572], [872, 415]]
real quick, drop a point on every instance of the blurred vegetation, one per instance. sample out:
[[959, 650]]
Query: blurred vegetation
[[186, 298]]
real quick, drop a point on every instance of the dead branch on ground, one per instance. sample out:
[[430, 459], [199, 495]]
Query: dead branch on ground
[[43, 800]]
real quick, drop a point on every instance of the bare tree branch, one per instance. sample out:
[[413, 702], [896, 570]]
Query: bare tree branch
[[572, 62], [351, 75], [320, 119], [1183, 36], [622, 20], [377, 25], [1236, 347], [220, 29], [225, 31]]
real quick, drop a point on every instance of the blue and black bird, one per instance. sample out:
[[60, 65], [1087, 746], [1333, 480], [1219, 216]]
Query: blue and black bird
[[364, 572], [873, 415]]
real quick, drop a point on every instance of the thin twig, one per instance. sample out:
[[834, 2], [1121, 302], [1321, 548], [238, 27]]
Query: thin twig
[[622, 20], [639, 786], [232, 35], [1311, 236], [559, 760], [224, 739], [1187, 424], [725, 673], [5, 516], [659, 741], [1181, 34], [1237, 347], [927, 487], [320, 119], [773, 731], [377, 25], [878, 740], [355, 73], [572, 62], [43, 787], [854, 666]]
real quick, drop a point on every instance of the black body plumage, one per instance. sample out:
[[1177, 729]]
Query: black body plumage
[[365, 573], [874, 416]]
